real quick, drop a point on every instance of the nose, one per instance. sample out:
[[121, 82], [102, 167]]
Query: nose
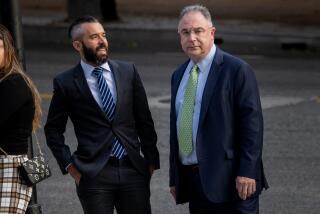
[[192, 36], [102, 39]]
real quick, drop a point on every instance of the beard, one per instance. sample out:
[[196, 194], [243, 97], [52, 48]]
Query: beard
[[91, 55]]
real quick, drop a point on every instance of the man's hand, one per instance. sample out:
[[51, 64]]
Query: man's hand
[[173, 192], [245, 186], [74, 173]]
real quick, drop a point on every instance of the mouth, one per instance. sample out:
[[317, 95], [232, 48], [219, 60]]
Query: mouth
[[102, 50], [193, 47]]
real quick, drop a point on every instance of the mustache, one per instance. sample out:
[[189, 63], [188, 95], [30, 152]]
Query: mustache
[[101, 46]]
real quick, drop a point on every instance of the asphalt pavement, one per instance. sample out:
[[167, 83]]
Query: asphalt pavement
[[289, 87]]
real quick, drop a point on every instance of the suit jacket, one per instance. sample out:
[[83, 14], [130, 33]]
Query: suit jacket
[[132, 124], [230, 131]]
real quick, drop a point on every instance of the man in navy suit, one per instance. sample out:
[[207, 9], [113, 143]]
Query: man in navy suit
[[216, 125], [108, 107]]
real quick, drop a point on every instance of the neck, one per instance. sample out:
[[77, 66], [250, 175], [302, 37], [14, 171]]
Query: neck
[[195, 60], [90, 63]]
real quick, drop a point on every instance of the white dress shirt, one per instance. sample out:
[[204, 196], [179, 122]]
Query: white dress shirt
[[92, 81]]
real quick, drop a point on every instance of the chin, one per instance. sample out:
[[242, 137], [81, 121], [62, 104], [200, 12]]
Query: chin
[[194, 53], [103, 57]]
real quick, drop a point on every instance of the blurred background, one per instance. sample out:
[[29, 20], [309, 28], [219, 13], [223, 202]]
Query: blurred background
[[285, 24], [288, 11], [280, 39]]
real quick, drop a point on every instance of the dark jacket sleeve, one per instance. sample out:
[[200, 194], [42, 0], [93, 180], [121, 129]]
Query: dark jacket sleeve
[[172, 167], [144, 123], [250, 122], [56, 126]]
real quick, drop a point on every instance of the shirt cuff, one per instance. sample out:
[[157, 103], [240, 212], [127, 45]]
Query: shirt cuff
[[68, 166]]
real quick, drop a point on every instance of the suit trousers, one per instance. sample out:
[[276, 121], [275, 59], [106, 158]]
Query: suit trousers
[[199, 204], [119, 185]]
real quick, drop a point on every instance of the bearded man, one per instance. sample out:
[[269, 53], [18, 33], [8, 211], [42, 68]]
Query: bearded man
[[107, 104]]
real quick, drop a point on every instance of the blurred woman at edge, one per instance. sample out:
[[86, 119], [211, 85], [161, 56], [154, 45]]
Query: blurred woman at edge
[[20, 114]]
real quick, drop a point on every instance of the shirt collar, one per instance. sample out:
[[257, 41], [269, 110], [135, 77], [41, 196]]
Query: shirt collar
[[87, 68]]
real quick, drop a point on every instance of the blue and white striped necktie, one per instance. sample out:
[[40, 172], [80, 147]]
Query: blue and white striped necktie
[[108, 107]]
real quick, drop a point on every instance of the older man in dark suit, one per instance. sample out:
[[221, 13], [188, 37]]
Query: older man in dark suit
[[108, 107], [216, 125]]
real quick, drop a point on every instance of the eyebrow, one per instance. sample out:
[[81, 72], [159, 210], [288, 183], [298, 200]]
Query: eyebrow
[[193, 28]]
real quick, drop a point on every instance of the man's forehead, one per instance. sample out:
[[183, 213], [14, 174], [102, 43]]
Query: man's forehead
[[93, 27]]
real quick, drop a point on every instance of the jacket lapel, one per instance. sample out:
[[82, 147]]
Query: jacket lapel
[[82, 85], [118, 83], [177, 79], [211, 83]]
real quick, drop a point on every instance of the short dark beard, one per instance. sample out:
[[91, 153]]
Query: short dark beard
[[91, 56]]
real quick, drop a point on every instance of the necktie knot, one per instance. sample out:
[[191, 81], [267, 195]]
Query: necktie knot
[[195, 69], [97, 71]]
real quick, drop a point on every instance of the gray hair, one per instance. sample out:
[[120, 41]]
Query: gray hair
[[75, 29], [196, 8]]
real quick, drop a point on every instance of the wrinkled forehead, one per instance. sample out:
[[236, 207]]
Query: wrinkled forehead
[[193, 19]]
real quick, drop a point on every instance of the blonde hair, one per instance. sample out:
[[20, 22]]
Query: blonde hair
[[11, 65]]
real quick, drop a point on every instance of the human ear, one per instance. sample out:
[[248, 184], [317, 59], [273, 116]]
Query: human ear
[[77, 45]]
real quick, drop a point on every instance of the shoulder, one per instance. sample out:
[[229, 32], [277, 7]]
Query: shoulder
[[182, 66], [15, 77], [178, 72], [123, 69], [120, 64], [65, 79], [15, 86], [235, 64], [68, 74], [14, 81], [232, 60], [237, 70]]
